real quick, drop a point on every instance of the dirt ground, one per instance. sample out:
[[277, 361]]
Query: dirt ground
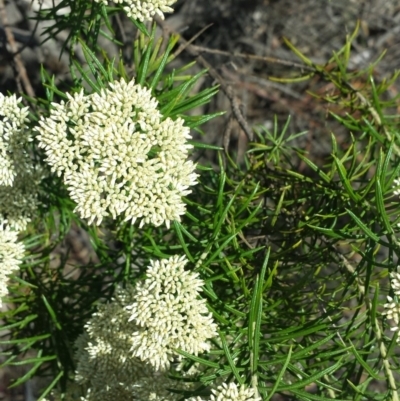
[[247, 27]]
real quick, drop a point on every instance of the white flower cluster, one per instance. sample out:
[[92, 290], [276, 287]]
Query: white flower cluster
[[18, 185], [118, 156], [11, 254], [19, 178], [144, 10], [106, 367], [19, 203], [13, 137], [392, 308], [128, 343], [169, 314], [230, 392]]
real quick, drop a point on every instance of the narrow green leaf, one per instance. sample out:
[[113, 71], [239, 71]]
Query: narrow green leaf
[[162, 63], [345, 181], [197, 121], [298, 53], [295, 332], [363, 227], [255, 314], [280, 374], [308, 396], [272, 274], [230, 359], [311, 379], [380, 178], [178, 229], [51, 386], [85, 76], [278, 208], [156, 49], [197, 359], [93, 62], [318, 344], [21, 324], [51, 312], [187, 233], [40, 359], [194, 101], [364, 364], [29, 340], [314, 167], [285, 80], [200, 145], [177, 104], [27, 375], [249, 199], [216, 315], [143, 67], [328, 231]]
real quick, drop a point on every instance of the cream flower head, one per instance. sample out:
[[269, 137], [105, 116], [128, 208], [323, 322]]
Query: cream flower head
[[19, 203], [169, 314], [11, 254], [13, 138], [118, 156], [106, 369], [144, 10], [19, 178]]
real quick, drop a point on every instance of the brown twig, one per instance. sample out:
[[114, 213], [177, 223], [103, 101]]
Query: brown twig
[[266, 59], [183, 46], [226, 88], [22, 75], [230, 94], [227, 133], [243, 79]]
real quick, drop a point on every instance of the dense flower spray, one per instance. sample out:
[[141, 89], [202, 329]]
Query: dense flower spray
[[128, 344], [19, 203], [19, 179], [118, 156], [13, 138], [11, 254], [106, 367], [144, 10], [169, 314]]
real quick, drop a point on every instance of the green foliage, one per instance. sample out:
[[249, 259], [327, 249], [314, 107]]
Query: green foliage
[[294, 253]]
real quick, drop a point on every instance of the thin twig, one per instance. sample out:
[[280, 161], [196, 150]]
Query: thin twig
[[183, 46], [230, 94], [20, 68], [266, 59], [227, 133], [244, 79]]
